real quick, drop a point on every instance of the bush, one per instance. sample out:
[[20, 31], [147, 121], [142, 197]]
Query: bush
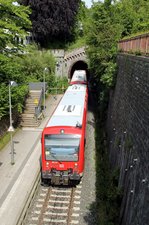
[[23, 68], [108, 78], [34, 63], [57, 85]]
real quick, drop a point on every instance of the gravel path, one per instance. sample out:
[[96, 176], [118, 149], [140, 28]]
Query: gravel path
[[88, 192]]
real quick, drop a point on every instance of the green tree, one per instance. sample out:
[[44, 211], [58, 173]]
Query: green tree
[[133, 15], [108, 23], [14, 20], [81, 19], [23, 69], [52, 20], [34, 62], [79, 28], [102, 37]]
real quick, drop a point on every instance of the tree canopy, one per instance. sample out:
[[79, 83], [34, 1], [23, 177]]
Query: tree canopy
[[58, 21], [18, 62], [133, 15], [14, 20], [52, 20], [110, 21], [102, 36]]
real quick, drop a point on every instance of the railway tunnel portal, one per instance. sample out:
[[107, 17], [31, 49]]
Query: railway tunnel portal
[[79, 65], [67, 62]]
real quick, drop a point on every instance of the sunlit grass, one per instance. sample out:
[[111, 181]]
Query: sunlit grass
[[4, 140]]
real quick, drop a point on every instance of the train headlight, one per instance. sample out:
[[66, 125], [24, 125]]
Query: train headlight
[[62, 131], [47, 164], [75, 167]]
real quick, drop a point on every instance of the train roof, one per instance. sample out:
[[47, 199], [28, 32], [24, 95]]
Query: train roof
[[79, 75], [70, 109]]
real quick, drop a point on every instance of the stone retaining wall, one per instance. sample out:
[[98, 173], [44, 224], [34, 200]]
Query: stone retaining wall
[[128, 134]]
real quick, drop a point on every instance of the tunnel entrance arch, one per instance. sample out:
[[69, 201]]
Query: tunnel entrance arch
[[78, 65]]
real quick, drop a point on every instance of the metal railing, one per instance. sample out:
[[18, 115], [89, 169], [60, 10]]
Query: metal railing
[[38, 86], [38, 108], [57, 90]]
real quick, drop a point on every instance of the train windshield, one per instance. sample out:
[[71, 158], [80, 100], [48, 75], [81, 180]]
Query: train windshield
[[62, 147]]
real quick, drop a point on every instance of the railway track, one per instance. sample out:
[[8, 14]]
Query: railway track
[[55, 205]]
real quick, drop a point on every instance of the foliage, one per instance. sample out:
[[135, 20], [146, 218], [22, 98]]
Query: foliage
[[102, 37], [79, 28], [22, 69], [4, 100], [10, 69], [58, 86], [82, 15], [107, 24], [34, 63], [17, 96], [136, 34], [14, 20], [109, 21], [108, 193], [80, 42], [133, 15], [52, 20], [108, 78]]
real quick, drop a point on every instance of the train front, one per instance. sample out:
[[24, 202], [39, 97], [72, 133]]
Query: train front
[[62, 155], [79, 77]]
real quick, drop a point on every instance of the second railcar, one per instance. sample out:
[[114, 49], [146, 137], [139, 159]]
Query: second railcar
[[63, 139], [79, 77]]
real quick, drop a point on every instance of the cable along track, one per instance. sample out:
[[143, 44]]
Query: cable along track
[[55, 205]]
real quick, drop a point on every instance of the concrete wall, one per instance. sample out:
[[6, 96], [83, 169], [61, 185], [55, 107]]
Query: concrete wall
[[128, 134], [59, 57]]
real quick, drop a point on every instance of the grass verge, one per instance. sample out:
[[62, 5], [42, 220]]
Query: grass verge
[[4, 140]]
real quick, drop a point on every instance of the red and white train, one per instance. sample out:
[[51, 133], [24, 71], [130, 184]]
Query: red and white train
[[63, 138], [79, 77]]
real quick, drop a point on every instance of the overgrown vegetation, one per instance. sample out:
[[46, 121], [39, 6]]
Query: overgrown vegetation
[[23, 69], [24, 64], [108, 194], [58, 86], [14, 21], [108, 23]]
